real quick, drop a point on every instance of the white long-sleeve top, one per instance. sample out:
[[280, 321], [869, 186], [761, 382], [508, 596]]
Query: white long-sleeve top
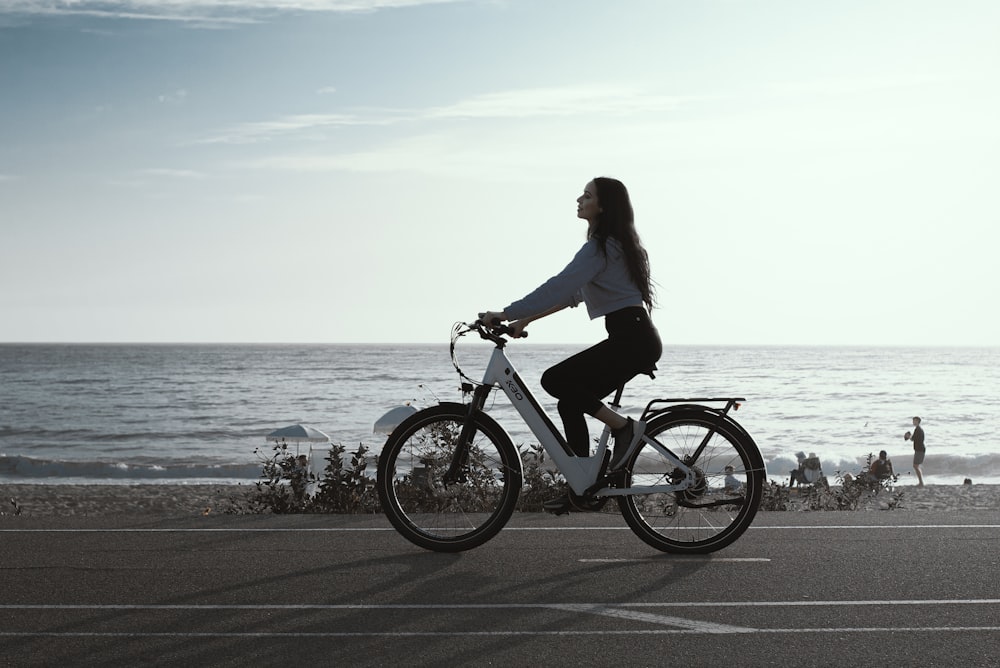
[[602, 283]]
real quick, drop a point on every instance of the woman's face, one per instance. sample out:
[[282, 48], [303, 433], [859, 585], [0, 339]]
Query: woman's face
[[587, 206]]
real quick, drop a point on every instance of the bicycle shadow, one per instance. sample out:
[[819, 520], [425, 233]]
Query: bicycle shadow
[[408, 577]]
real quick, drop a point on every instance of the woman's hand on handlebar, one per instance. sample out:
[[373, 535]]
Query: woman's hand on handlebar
[[495, 318], [517, 328], [492, 318]]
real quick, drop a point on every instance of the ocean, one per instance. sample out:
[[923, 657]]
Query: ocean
[[99, 414]]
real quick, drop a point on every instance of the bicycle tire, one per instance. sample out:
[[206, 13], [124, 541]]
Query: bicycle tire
[[461, 515], [708, 516]]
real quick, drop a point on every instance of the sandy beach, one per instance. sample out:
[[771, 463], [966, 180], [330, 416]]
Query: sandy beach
[[96, 500], [935, 497], [189, 500]]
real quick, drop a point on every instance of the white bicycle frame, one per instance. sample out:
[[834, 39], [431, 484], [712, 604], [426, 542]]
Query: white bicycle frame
[[580, 472]]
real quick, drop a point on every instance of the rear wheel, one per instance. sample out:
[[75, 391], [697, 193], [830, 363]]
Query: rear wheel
[[448, 516], [720, 505]]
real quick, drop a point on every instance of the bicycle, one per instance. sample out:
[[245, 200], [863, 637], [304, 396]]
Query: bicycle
[[449, 475]]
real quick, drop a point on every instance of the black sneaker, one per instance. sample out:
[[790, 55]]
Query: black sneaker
[[570, 501], [559, 505], [625, 438]]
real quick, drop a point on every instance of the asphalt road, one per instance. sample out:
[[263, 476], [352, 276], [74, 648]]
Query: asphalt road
[[898, 588]]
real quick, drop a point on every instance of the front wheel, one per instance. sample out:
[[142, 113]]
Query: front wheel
[[722, 502], [441, 515]]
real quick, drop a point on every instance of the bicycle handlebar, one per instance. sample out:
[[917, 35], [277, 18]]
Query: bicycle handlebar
[[494, 330]]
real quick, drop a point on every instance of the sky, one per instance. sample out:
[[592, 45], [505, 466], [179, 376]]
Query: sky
[[372, 171]]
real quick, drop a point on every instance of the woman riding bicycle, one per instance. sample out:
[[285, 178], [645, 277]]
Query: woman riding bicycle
[[610, 274]]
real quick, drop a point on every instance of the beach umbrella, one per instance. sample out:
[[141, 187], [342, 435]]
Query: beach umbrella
[[388, 422], [298, 433]]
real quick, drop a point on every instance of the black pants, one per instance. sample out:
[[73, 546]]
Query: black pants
[[583, 380]]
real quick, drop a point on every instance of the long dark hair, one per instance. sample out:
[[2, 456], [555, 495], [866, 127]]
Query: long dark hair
[[617, 220]]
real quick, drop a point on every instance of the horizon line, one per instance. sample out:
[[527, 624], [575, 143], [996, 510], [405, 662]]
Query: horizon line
[[528, 343]]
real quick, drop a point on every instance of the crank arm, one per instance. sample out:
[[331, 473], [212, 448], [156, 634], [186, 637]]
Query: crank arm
[[738, 501]]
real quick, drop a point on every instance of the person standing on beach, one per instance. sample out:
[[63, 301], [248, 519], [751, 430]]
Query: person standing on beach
[[918, 449], [611, 275]]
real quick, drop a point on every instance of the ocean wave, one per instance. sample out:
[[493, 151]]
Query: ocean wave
[[188, 407], [42, 435]]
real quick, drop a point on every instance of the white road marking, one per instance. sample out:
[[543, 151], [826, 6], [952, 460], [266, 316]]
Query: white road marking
[[407, 634], [881, 527], [480, 606], [673, 560], [404, 634], [484, 606], [206, 530], [625, 611], [620, 613]]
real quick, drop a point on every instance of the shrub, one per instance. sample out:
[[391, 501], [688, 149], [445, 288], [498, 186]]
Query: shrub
[[854, 492], [774, 497], [480, 491], [540, 484], [346, 490], [285, 482], [282, 487], [350, 489]]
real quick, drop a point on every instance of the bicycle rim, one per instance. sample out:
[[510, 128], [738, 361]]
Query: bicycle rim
[[711, 514], [455, 516]]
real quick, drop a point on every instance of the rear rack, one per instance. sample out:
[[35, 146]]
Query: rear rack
[[732, 403]]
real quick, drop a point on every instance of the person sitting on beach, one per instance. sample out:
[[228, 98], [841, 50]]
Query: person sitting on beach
[[299, 475], [810, 470], [796, 474], [732, 482], [881, 468]]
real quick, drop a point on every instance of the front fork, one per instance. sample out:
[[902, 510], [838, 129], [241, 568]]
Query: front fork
[[459, 462]]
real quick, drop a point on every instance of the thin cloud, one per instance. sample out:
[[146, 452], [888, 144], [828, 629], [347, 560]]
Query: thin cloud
[[465, 156], [565, 102], [559, 101], [173, 173], [197, 11], [179, 12], [426, 154], [176, 97], [152, 177], [262, 131], [506, 150]]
